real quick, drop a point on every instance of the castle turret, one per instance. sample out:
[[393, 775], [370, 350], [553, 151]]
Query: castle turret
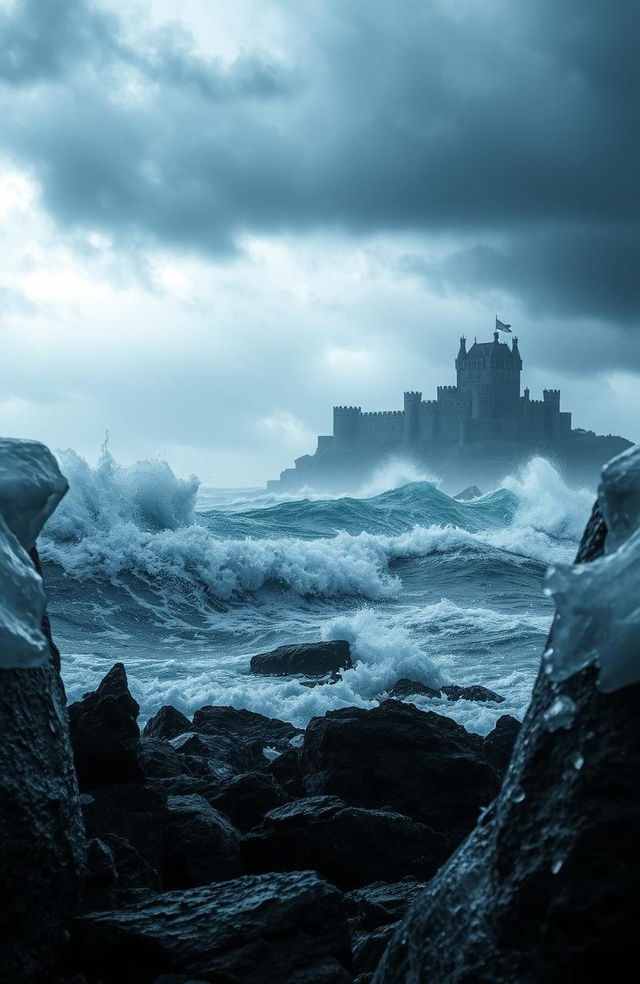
[[412, 402], [345, 425]]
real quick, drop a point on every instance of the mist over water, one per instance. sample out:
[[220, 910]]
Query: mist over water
[[184, 585]]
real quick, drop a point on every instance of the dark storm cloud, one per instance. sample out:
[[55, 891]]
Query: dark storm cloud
[[478, 120]]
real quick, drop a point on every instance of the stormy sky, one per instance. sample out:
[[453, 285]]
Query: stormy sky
[[218, 220]]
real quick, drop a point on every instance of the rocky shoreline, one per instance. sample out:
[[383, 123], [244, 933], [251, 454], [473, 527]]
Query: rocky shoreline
[[385, 845], [234, 816]]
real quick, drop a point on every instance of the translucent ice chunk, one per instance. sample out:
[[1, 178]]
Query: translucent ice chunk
[[30, 488], [560, 714], [598, 603]]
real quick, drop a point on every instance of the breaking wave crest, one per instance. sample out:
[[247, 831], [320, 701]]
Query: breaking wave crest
[[139, 520]]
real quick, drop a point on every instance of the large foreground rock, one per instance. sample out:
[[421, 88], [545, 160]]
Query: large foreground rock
[[350, 846], [254, 930], [306, 658], [41, 837], [105, 734], [547, 886], [417, 763]]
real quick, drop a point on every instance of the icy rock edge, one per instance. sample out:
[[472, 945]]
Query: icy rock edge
[[598, 604], [545, 888], [31, 486]]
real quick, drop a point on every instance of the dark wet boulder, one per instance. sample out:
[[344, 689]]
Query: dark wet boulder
[[546, 886], [245, 725], [202, 845], [381, 903], [306, 659], [286, 770], [98, 891], [368, 949], [206, 786], [500, 742], [348, 845], [396, 757], [476, 693], [257, 930], [245, 799], [160, 760], [167, 723], [135, 813], [411, 688], [225, 755], [105, 734], [42, 842], [117, 875]]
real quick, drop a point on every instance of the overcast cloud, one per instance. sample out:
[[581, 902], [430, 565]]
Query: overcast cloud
[[215, 225]]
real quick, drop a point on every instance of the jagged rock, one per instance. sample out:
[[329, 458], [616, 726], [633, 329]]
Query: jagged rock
[[160, 760], [135, 813], [245, 799], [40, 818], [454, 692], [409, 688], [98, 891], [225, 755], [546, 886], [499, 743], [348, 845], [306, 658], [396, 757], [205, 786], [257, 930], [105, 734], [243, 724], [168, 723], [137, 879], [380, 903], [202, 845], [368, 949], [287, 772]]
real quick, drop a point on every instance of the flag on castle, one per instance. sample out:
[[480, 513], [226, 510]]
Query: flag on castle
[[500, 325]]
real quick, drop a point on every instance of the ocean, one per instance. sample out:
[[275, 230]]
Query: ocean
[[183, 584]]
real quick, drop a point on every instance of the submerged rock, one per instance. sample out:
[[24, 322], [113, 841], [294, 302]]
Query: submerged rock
[[258, 930], [546, 887], [350, 846], [306, 659], [105, 734], [420, 764], [410, 688]]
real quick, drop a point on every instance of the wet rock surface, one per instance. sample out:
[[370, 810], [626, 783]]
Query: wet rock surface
[[412, 688], [168, 723], [417, 763], [202, 845], [105, 733], [546, 887], [286, 927], [42, 842], [246, 725], [349, 846], [306, 659]]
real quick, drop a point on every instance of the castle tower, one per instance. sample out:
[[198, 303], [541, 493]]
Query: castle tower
[[345, 425], [412, 403]]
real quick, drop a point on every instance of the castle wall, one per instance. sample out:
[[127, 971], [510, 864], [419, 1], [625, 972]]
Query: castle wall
[[485, 406]]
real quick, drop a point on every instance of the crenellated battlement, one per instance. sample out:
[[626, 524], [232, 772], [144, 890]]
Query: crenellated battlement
[[485, 405], [383, 413]]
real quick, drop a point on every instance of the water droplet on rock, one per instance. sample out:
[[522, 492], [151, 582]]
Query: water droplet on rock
[[560, 714], [556, 866], [578, 762]]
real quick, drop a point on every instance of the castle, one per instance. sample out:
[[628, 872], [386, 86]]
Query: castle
[[479, 427], [484, 405]]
